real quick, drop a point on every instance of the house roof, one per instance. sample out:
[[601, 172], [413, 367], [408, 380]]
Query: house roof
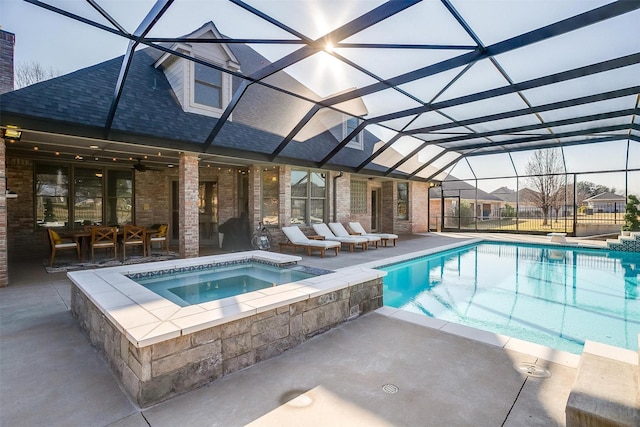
[[509, 195], [606, 197], [454, 83], [453, 187]]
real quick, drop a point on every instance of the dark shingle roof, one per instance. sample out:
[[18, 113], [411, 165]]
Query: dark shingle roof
[[149, 108]]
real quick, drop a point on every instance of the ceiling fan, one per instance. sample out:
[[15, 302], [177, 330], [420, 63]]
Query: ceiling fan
[[139, 167]]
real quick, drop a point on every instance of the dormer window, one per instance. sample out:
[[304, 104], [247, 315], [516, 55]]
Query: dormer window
[[349, 126], [207, 88], [201, 89]]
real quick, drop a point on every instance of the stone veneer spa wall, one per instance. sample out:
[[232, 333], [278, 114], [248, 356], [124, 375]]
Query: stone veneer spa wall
[[152, 373]]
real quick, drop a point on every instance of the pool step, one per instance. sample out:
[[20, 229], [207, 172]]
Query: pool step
[[606, 391], [629, 243]]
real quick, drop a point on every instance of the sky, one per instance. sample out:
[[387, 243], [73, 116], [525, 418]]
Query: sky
[[64, 45]]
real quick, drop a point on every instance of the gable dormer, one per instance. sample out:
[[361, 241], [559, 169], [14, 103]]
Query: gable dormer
[[201, 89]]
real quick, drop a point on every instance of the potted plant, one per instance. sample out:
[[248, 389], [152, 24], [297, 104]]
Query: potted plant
[[631, 220]]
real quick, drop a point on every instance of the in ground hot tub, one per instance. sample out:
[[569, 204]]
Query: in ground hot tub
[[159, 348]]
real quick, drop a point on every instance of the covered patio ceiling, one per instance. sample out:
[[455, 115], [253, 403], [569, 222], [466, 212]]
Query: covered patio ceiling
[[433, 81]]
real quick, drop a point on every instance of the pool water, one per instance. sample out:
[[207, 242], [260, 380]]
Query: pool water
[[196, 287], [558, 297]]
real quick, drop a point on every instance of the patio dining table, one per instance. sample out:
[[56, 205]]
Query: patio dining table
[[84, 238]]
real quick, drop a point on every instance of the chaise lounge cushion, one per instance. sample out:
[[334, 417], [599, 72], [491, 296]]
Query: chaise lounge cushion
[[297, 237], [339, 230], [357, 228], [325, 232]]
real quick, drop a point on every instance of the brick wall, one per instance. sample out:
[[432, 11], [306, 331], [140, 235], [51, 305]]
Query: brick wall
[[255, 198], [23, 241], [227, 194], [388, 208], [153, 197], [188, 206], [7, 42], [343, 198], [419, 206], [4, 271]]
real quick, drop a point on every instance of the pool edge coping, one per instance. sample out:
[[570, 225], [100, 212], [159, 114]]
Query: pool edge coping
[[146, 318], [506, 342]]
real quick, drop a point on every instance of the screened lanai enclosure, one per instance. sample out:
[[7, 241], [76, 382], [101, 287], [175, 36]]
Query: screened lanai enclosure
[[521, 115]]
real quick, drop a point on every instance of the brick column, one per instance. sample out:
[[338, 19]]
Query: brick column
[[255, 196], [188, 212], [4, 270], [419, 206]]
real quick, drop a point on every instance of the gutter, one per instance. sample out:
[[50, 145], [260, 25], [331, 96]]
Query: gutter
[[335, 197]]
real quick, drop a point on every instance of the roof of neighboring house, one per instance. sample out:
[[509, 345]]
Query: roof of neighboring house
[[454, 188], [606, 197], [80, 102], [509, 195]]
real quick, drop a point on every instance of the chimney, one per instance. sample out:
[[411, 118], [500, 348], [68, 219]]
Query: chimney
[[7, 40]]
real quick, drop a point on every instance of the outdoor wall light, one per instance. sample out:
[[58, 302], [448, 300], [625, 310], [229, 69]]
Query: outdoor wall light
[[11, 133], [9, 194]]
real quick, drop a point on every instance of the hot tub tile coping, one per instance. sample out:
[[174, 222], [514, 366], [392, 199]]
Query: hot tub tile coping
[[137, 321]]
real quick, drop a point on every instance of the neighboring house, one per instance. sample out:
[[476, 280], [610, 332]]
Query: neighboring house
[[523, 200], [171, 106], [606, 203], [482, 205]]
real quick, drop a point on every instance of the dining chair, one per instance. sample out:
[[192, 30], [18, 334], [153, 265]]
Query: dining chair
[[104, 238], [161, 237], [60, 243], [134, 235]]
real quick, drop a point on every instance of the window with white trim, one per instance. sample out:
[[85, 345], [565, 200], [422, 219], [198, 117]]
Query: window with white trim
[[308, 197], [348, 126], [207, 87]]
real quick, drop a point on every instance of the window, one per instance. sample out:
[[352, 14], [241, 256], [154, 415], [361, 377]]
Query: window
[[358, 197], [403, 200], [308, 197], [270, 197], [87, 205], [61, 202], [119, 197], [52, 195], [349, 126], [207, 86]]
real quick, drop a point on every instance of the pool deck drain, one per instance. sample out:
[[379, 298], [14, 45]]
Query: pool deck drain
[[533, 370], [390, 388]]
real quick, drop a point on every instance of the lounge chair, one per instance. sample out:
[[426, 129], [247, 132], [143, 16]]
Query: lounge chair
[[339, 230], [297, 239], [358, 229], [351, 241]]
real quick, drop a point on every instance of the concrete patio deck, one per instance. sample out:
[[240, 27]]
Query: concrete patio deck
[[50, 375]]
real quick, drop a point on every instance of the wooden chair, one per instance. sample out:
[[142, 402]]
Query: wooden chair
[[134, 235], [104, 238], [161, 237], [59, 243]]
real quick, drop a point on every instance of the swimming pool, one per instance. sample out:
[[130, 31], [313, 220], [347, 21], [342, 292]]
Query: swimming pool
[[194, 287], [550, 295]]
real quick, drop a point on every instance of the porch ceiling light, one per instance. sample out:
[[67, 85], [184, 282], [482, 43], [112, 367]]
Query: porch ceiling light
[[11, 133]]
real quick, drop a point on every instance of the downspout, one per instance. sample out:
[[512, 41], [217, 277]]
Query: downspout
[[335, 197]]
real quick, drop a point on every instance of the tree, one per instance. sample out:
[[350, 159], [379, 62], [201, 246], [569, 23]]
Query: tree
[[631, 216], [544, 170], [28, 73]]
